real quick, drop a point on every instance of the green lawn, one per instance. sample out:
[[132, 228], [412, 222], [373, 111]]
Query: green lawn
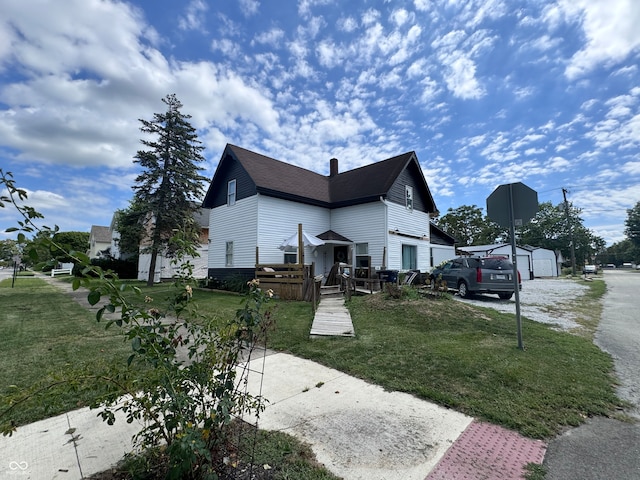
[[46, 338], [466, 358], [454, 354]]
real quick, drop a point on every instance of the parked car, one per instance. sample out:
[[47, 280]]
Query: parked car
[[469, 275], [589, 270]]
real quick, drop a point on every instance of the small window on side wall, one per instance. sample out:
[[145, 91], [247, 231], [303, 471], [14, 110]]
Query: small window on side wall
[[229, 255], [408, 189], [291, 257], [231, 192]]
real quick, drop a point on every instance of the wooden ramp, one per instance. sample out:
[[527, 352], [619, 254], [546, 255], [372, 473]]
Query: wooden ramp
[[332, 318]]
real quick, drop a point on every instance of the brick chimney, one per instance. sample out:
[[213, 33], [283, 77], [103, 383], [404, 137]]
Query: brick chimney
[[333, 167]]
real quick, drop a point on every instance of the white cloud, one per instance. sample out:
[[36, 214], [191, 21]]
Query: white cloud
[[270, 37], [329, 54], [249, 7], [611, 30], [123, 79], [228, 47], [545, 43], [620, 127], [369, 17], [557, 164], [524, 92], [484, 9], [629, 70], [460, 78], [631, 168], [422, 5], [401, 16], [305, 6], [194, 16], [348, 24]]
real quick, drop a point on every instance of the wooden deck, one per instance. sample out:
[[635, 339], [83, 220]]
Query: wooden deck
[[332, 318]]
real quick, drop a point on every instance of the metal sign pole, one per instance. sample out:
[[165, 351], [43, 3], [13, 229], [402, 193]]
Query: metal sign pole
[[514, 255]]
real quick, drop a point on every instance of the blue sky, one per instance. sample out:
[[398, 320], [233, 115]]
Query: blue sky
[[486, 92]]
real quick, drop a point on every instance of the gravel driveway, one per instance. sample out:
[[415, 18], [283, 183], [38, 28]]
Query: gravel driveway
[[539, 301]]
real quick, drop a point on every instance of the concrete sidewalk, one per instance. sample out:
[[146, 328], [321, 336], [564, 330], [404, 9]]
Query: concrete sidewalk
[[356, 429]]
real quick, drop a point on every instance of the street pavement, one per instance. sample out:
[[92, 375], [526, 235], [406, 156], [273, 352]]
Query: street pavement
[[605, 448]]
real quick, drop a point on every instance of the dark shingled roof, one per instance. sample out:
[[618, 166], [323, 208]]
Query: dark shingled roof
[[439, 236], [360, 185], [370, 181], [272, 176], [330, 236]]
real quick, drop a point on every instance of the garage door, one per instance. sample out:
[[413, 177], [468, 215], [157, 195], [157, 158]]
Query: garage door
[[524, 267], [543, 267]]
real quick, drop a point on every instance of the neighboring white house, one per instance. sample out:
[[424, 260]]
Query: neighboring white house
[[532, 261], [165, 269], [99, 241], [378, 214]]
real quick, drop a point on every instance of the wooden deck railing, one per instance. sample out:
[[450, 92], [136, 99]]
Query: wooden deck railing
[[288, 280]]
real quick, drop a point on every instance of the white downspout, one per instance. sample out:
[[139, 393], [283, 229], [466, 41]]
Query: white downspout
[[386, 228]]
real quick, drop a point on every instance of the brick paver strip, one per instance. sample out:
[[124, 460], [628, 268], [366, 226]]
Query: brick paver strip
[[488, 452]]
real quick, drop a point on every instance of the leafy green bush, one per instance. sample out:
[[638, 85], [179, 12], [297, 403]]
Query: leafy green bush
[[192, 389]]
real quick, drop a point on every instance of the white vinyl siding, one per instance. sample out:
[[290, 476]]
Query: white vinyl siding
[[441, 253], [363, 223], [278, 219], [237, 225], [409, 228]]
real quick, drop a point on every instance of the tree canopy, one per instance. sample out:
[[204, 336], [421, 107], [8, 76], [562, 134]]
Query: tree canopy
[[169, 188], [632, 226], [469, 227], [550, 229]]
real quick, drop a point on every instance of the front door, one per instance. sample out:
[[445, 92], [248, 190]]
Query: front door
[[341, 253]]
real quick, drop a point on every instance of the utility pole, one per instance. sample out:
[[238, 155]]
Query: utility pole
[[573, 248]]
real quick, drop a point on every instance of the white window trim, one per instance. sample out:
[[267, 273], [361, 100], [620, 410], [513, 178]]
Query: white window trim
[[228, 254], [408, 197], [231, 192]]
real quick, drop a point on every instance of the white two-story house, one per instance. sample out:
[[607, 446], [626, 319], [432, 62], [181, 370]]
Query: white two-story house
[[377, 215]]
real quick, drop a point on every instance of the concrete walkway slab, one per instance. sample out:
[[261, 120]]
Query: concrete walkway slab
[[70, 446], [356, 429]]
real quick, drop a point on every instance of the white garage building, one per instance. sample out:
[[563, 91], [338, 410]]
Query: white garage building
[[532, 261]]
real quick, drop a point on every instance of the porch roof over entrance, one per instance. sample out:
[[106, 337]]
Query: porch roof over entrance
[[332, 237]]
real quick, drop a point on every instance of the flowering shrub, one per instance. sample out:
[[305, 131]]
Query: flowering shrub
[[193, 386]]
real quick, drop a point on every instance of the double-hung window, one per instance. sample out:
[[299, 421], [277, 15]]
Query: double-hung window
[[408, 190], [231, 192], [228, 261], [362, 260]]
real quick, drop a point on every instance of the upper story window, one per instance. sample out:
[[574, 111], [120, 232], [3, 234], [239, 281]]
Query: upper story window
[[408, 190], [231, 192]]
